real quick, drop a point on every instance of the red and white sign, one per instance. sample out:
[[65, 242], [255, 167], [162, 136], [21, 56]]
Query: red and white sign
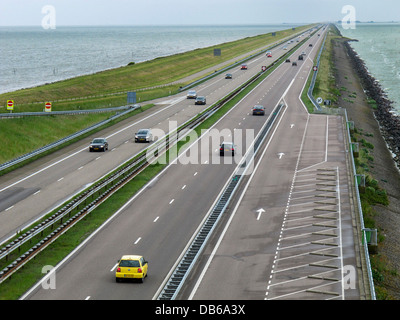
[[47, 107], [10, 104], [315, 68]]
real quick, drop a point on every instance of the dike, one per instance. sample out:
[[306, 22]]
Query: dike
[[385, 114], [382, 127]]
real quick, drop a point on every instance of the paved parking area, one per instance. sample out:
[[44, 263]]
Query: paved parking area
[[310, 257]]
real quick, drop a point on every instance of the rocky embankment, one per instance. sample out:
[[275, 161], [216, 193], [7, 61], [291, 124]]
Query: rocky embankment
[[388, 120], [382, 127]]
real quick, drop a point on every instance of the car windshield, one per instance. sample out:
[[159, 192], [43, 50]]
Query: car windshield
[[129, 263], [98, 141], [227, 145], [142, 132]]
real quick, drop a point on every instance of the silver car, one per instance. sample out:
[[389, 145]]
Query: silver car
[[191, 94], [144, 135]]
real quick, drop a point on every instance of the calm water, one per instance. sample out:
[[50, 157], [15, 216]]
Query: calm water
[[378, 46], [30, 56]]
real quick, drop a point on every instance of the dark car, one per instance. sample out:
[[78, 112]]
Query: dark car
[[301, 57], [143, 135], [287, 60], [294, 63], [258, 110], [228, 76], [227, 147], [310, 45], [200, 100], [98, 144]]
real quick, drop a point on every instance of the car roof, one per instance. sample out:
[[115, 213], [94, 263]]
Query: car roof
[[131, 257]]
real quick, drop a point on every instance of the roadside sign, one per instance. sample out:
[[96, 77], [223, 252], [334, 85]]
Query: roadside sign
[[319, 100], [315, 68], [47, 107], [263, 68], [10, 105], [131, 97]]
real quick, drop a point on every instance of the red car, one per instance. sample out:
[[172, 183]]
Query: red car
[[269, 54], [244, 67]]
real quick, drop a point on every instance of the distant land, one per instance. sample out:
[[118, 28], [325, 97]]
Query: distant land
[[357, 21]]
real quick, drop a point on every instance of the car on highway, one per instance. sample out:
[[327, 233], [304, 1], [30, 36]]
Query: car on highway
[[131, 267], [227, 147], [258, 110], [98, 144], [191, 94], [143, 135], [200, 100], [243, 67], [294, 63], [228, 76], [269, 54], [301, 57], [287, 60], [310, 45]]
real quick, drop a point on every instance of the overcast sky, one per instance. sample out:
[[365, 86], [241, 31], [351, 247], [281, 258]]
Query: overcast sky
[[192, 12]]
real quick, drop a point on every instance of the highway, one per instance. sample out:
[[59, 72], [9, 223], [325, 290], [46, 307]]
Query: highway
[[29, 193], [262, 252]]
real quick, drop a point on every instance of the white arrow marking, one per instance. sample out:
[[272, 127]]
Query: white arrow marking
[[281, 155], [260, 211], [292, 125]]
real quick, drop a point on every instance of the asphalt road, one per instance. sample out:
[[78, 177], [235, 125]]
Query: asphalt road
[[300, 245], [29, 193], [160, 220]]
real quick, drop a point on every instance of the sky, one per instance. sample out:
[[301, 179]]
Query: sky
[[191, 12]]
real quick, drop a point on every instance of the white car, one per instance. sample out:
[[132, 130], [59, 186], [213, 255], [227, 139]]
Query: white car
[[191, 94]]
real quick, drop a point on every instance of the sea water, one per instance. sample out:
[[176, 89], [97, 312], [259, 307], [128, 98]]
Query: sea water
[[378, 47], [31, 56]]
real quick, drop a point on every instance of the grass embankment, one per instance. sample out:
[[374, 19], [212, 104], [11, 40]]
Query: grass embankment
[[20, 282], [325, 85], [108, 89]]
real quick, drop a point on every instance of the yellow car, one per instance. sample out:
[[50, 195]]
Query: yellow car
[[131, 267]]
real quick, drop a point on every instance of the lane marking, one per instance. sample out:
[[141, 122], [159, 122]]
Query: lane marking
[[137, 241]]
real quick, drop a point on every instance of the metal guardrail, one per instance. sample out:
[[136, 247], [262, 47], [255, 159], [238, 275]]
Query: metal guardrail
[[85, 202], [75, 135], [314, 78], [175, 282], [364, 243], [63, 113]]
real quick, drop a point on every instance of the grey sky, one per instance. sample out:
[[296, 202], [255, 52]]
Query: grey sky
[[192, 12]]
